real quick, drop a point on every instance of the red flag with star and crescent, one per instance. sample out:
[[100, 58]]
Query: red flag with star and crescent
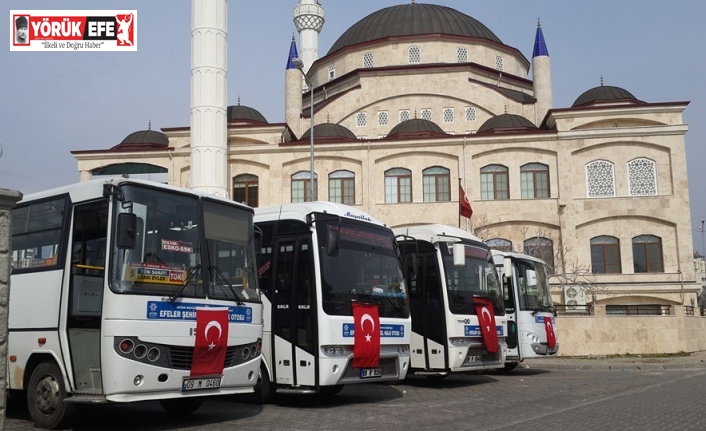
[[551, 336], [366, 339], [486, 321], [464, 207], [211, 342]]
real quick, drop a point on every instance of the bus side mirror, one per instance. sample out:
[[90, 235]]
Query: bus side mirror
[[507, 267], [459, 252], [127, 230], [332, 243]]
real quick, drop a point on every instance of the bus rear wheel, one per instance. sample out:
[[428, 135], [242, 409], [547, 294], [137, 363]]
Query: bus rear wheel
[[509, 366], [181, 406], [328, 391], [46, 398], [263, 391]]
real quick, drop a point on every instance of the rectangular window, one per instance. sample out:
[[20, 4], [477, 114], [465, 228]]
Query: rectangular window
[[448, 115], [36, 234]]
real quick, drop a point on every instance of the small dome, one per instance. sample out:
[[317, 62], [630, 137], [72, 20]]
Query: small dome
[[329, 130], [240, 113], [144, 139], [410, 20], [416, 127], [507, 123], [604, 93]]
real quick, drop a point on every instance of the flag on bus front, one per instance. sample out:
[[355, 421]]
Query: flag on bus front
[[211, 341], [366, 339], [551, 336], [486, 321]]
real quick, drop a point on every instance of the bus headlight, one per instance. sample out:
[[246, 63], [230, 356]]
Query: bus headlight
[[335, 350]]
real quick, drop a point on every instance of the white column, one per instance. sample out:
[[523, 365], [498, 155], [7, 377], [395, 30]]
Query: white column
[[209, 72]]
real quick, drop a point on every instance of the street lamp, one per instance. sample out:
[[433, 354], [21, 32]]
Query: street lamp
[[299, 64], [703, 252]]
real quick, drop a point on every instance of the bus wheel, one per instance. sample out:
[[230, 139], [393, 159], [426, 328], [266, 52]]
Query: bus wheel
[[330, 390], [263, 389], [181, 406], [46, 398], [509, 366]]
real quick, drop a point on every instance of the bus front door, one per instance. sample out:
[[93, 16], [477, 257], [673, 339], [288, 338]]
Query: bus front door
[[294, 321]]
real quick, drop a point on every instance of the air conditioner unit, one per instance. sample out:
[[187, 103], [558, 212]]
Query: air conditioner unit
[[575, 299]]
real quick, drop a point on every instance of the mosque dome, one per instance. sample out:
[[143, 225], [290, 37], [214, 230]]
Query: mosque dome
[[416, 127], [604, 93], [246, 114], [410, 20], [143, 139], [330, 131], [506, 123]]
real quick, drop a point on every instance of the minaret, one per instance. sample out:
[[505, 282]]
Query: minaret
[[293, 92], [209, 72], [541, 76], [309, 20]]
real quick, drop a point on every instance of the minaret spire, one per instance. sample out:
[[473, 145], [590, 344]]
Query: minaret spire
[[541, 76], [309, 20]]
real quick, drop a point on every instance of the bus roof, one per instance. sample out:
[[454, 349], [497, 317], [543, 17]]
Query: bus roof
[[299, 211], [433, 232], [519, 256], [94, 188]]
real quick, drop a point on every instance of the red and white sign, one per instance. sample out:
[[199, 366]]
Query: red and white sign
[[486, 321], [211, 341], [73, 30], [366, 338], [551, 336]]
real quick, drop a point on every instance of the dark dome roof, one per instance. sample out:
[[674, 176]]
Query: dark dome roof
[[329, 130], [245, 113], [413, 19], [415, 127], [604, 93], [144, 139], [507, 123]]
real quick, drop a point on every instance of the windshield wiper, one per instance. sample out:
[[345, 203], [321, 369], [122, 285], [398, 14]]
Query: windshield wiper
[[220, 277], [191, 273]]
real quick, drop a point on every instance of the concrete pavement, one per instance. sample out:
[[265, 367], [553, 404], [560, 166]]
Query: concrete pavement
[[696, 360]]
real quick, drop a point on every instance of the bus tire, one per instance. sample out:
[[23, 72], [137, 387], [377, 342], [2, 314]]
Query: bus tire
[[263, 388], [181, 406], [46, 398], [509, 366], [328, 391]]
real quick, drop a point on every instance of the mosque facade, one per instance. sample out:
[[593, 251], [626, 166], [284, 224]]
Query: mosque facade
[[410, 117]]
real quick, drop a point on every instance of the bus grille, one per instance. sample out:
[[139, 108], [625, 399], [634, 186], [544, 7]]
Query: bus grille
[[180, 357]]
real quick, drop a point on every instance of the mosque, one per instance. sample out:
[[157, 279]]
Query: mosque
[[417, 105]]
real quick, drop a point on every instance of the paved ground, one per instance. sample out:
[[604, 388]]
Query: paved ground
[[576, 394]]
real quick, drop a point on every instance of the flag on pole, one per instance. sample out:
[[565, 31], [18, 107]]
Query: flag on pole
[[464, 205], [486, 321], [211, 342], [366, 338]]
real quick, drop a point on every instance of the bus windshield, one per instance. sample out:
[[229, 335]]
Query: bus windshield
[[176, 254], [477, 277], [533, 287], [365, 268]]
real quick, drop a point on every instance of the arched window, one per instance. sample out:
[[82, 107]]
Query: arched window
[[500, 244], [534, 178], [341, 187], [300, 187], [541, 248], [245, 189], [642, 177], [435, 181], [494, 183], [600, 179], [415, 54], [470, 114], [647, 254], [398, 186], [605, 255]]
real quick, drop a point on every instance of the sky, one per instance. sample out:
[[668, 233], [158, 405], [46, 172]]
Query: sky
[[52, 103]]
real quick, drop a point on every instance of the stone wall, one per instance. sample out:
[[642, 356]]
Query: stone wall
[[8, 198], [601, 335]]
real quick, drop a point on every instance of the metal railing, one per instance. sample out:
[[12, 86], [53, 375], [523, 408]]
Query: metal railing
[[574, 310]]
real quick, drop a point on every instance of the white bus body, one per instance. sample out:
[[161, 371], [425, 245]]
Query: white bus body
[[309, 281], [528, 301], [107, 279], [446, 268]]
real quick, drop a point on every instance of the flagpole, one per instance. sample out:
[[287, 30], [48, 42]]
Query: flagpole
[[459, 203]]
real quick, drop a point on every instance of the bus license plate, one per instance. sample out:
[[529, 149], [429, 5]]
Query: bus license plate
[[370, 372], [200, 383]]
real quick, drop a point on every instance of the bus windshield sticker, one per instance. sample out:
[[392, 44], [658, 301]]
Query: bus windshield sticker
[[177, 246], [154, 273]]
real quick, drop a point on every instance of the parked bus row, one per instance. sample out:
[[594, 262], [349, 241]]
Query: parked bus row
[[126, 290]]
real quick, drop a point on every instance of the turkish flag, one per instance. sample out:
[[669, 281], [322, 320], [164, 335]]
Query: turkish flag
[[551, 337], [464, 205], [366, 341], [211, 341], [486, 321]]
